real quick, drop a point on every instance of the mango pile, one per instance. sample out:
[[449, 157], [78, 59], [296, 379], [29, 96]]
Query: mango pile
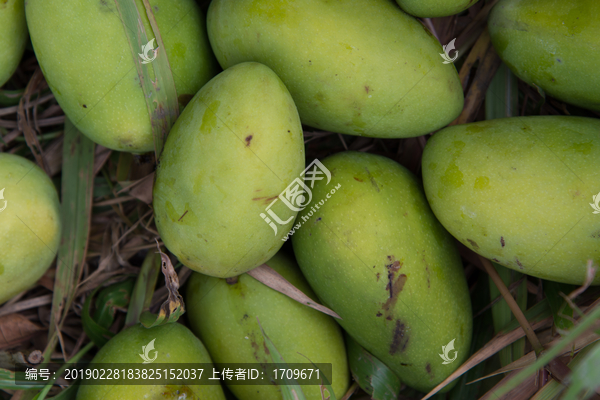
[[288, 246]]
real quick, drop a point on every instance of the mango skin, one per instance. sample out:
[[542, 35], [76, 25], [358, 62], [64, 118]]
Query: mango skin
[[30, 225], [352, 66], [237, 145], [13, 37], [224, 316], [377, 229], [552, 44], [174, 343], [86, 59], [434, 8], [517, 191]]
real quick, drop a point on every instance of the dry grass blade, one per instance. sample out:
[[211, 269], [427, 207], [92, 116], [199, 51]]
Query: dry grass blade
[[77, 191], [468, 36], [529, 358], [15, 329], [474, 98], [477, 53], [268, 276], [26, 304], [24, 120], [590, 321], [523, 391], [533, 339], [499, 342], [140, 189]]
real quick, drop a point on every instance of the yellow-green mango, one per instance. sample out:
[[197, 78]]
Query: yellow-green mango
[[552, 44], [30, 224], [13, 37], [224, 315], [236, 146], [359, 67], [434, 8], [173, 344], [85, 56], [518, 191], [373, 252]]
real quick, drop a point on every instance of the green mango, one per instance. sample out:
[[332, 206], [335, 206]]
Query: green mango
[[224, 315], [359, 67], [30, 224], [173, 344], [85, 56], [520, 191], [434, 8], [13, 37], [551, 44], [233, 150], [373, 252]]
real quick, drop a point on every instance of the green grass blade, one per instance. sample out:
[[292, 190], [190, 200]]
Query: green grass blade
[[535, 314], [584, 324], [585, 379], [76, 212], [482, 333], [325, 384], [108, 301], [502, 314], [553, 389], [502, 96], [561, 310], [373, 376], [7, 380], [144, 288], [160, 94], [290, 390], [69, 393]]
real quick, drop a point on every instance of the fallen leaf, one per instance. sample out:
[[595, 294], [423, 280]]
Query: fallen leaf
[[14, 329]]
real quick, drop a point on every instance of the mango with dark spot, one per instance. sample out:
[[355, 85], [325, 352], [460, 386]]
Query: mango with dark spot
[[536, 213], [224, 316], [434, 8], [13, 31], [352, 66], [30, 224], [225, 162], [415, 300], [552, 44], [173, 344], [86, 58]]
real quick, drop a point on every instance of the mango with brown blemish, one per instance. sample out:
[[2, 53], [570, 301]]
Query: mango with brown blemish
[[552, 44], [90, 67], [172, 344], [374, 253], [30, 224], [224, 315], [237, 145], [352, 66], [520, 191]]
